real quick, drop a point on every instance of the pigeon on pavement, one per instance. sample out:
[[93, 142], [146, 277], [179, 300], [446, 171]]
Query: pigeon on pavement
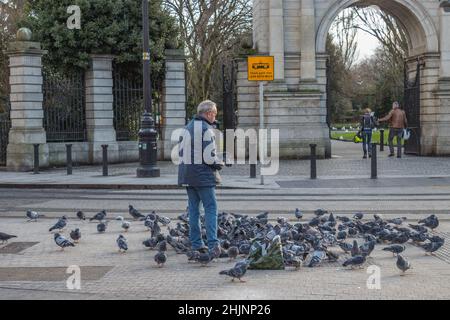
[[395, 249], [125, 224], [237, 272], [356, 261], [160, 258], [298, 214], [62, 242], [122, 243], [4, 237], [75, 235], [99, 216], [135, 213], [80, 215], [33, 215], [101, 227], [61, 224], [403, 264]]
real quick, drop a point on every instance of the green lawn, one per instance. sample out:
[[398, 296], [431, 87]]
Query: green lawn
[[348, 136]]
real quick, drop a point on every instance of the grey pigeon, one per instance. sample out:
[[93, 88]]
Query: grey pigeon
[[61, 224], [237, 272], [244, 248], [193, 255], [99, 216], [403, 264], [162, 246], [431, 222], [395, 249], [367, 247], [347, 247], [33, 215], [80, 215], [160, 258], [4, 237], [397, 221], [75, 235], [216, 252], [135, 213], [122, 243], [432, 246], [355, 249], [204, 259], [316, 259], [358, 215], [62, 242], [101, 227], [298, 214], [125, 224], [320, 212], [233, 252], [163, 220], [356, 261], [150, 243]]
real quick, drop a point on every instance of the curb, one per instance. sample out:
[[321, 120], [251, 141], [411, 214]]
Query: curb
[[105, 186]]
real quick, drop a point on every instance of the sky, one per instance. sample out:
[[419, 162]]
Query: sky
[[366, 44]]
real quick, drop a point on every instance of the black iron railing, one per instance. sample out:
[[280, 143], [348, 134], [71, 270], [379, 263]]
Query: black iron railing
[[128, 103], [5, 125], [64, 106]]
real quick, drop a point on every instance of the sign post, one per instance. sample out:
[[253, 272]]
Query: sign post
[[260, 68]]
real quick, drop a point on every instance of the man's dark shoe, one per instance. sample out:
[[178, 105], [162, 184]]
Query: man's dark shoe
[[399, 156], [391, 155], [364, 156], [370, 156]]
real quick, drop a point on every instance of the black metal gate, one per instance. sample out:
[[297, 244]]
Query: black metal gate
[[5, 125], [229, 98], [412, 110], [64, 105]]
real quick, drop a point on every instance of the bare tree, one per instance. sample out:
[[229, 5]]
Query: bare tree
[[344, 35], [209, 29], [387, 30]]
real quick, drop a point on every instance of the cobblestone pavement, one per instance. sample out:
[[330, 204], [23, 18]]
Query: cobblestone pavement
[[134, 275]]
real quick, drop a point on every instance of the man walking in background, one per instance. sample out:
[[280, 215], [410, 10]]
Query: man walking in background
[[397, 122]]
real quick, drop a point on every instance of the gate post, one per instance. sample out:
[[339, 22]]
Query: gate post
[[25, 63], [99, 108]]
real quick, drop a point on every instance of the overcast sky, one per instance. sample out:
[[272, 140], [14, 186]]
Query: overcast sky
[[366, 44]]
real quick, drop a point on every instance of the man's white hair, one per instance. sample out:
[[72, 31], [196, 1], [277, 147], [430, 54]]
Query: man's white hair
[[206, 106], [396, 105]]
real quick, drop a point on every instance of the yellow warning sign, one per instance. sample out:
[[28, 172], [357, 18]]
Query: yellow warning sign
[[260, 68]]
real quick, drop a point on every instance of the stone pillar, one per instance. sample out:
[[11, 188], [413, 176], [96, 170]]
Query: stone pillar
[[445, 40], [99, 109], [25, 63], [276, 36], [174, 99], [307, 44]]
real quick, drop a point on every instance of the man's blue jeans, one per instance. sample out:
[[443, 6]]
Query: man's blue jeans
[[367, 141], [207, 195]]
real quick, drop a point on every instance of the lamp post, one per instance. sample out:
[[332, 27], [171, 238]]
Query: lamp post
[[147, 134]]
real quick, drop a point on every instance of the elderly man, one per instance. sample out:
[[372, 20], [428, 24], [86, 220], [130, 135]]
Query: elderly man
[[397, 122], [198, 171]]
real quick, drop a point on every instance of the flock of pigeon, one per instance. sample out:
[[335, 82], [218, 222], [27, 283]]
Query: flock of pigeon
[[307, 243]]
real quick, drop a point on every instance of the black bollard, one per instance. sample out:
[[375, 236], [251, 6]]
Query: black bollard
[[313, 161], [69, 158], [36, 159], [381, 139], [253, 171], [105, 159], [373, 167]]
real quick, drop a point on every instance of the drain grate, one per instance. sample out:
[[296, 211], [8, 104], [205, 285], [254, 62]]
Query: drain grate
[[16, 247], [87, 273]]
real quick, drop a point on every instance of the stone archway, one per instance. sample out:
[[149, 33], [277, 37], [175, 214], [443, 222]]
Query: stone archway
[[294, 32], [423, 44]]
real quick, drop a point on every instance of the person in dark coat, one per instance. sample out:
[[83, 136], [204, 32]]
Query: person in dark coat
[[198, 171]]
